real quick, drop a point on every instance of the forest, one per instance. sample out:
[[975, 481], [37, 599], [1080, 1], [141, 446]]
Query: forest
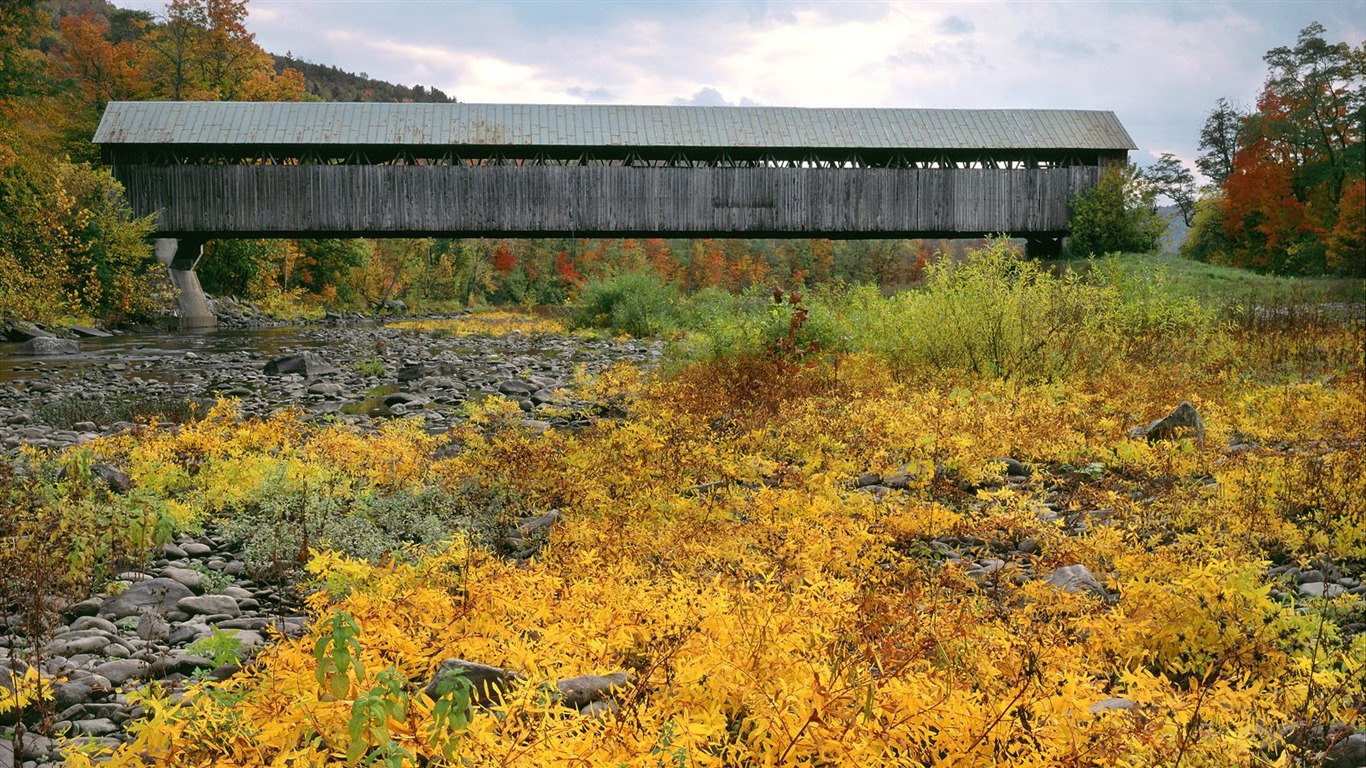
[[685, 503]]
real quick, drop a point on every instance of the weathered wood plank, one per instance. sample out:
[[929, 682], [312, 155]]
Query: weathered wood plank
[[531, 200]]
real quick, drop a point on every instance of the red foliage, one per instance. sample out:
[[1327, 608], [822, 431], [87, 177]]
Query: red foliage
[[503, 258]]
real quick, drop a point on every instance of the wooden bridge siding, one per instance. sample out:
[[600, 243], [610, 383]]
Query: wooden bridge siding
[[406, 199]]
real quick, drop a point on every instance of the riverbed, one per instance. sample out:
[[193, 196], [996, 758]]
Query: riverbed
[[363, 373]]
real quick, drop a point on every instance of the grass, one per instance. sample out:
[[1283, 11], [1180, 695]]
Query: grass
[[1222, 286]]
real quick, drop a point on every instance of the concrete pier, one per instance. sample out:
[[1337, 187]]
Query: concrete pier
[[180, 255]]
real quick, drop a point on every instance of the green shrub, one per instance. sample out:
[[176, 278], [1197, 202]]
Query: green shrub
[[636, 303], [1118, 215], [995, 313]]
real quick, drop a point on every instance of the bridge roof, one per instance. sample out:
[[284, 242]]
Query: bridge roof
[[562, 125]]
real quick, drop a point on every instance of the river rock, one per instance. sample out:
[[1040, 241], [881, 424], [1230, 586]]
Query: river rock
[[1184, 416], [1347, 753], [1075, 579], [179, 662], [93, 622], [487, 682], [187, 576], [114, 478], [308, 364], [43, 346], [580, 691], [22, 331], [90, 332], [120, 671], [209, 605], [1013, 467], [159, 595]]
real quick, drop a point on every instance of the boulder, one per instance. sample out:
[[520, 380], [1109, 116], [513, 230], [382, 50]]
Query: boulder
[[47, 345], [583, 690], [209, 605], [21, 331], [89, 332], [1183, 417], [114, 478], [1347, 753], [307, 364], [1077, 578], [1013, 467], [487, 682], [120, 671], [157, 596]]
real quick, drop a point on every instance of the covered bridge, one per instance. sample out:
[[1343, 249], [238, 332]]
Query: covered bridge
[[238, 169]]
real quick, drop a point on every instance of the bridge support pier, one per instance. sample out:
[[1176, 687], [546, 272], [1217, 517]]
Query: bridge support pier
[[1043, 247], [180, 255]]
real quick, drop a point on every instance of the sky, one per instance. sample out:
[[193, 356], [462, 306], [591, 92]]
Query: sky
[[1160, 66]]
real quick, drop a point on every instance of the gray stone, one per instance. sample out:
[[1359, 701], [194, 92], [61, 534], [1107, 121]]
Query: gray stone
[[1108, 705], [93, 622], [1321, 589], [1077, 578], [487, 682], [866, 479], [152, 627], [196, 549], [1184, 416], [88, 607], [121, 671], [102, 726], [89, 332], [78, 645], [583, 690], [43, 346], [20, 330], [602, 710], [69, 692], [1347, 753], [159, 595], [114, 478], [308, 364], [179, 662], [530, 525], [1013, 467], [187, 576]]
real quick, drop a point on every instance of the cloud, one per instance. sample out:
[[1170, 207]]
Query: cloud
[[1159, 66], [597, 95], [955, 25], [710, 97]]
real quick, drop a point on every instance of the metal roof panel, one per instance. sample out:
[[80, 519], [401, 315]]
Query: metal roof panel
[[588, 125]]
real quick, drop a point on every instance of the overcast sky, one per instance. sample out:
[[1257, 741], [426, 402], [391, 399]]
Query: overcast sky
[[1158, 65]]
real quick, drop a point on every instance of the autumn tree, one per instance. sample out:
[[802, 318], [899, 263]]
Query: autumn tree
[[1286, 203], [201, 49]]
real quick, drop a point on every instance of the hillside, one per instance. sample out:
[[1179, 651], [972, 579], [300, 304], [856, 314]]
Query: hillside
[[334, 84]]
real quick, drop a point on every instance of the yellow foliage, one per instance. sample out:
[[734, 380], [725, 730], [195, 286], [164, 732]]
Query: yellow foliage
[[771, 613], [490, 323]]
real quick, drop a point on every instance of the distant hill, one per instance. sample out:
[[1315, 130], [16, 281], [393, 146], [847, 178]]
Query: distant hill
[[326, 82], [1176, 229], [333, 84]]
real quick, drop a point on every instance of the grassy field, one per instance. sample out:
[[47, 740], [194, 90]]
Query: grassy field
[[836, 529]]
